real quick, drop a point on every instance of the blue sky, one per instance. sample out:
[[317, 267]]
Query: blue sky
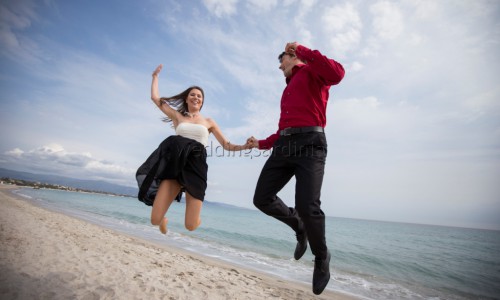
[[413, 129]]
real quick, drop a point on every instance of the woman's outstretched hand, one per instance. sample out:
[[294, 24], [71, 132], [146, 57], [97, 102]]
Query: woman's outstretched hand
[[157, 70]]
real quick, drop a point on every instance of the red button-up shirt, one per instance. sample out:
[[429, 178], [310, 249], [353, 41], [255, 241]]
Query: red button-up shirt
[[305, 97]]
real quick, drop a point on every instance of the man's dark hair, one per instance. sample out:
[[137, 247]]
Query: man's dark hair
[[280, 57]]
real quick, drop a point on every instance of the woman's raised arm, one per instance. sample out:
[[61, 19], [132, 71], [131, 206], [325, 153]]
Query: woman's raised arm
[[155, 96]]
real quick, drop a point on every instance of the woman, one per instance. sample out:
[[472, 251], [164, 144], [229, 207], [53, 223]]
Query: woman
[[179, 163]]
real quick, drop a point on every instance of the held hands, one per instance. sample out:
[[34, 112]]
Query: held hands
[[157, 70], [246, 146], [252, 142]]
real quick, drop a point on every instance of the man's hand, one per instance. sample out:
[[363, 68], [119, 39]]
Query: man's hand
[[291, 47], [253, 142]]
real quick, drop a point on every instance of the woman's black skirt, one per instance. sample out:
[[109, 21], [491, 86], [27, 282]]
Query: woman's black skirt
[[179, 158]]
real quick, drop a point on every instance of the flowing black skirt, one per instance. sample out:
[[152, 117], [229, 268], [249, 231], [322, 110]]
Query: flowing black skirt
[[179, 158]]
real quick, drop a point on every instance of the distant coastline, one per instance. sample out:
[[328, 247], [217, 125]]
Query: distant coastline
[[42, 185]]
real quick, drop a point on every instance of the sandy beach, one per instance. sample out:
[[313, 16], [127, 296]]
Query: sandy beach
[[48, 255]]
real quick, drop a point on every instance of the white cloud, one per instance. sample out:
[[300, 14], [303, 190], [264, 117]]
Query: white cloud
[[355, 67], [345, 41], [302, 31], [15, 152], [424, 9], [52, 154], [108, 168], [341, 17], [57, 160], [14, 18], [221, 8], [307, 5], [382, 128], [344, 24], [262, 5], [18, 19], [415, 39], [388, 20], [371, 49]]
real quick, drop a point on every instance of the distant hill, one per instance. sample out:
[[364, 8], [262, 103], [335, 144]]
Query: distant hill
[[94, 185]]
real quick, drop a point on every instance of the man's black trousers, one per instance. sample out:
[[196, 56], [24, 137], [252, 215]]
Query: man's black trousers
[[303, 156]]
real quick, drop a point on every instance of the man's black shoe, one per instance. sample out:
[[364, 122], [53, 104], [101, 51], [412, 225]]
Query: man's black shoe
[[301, 246], [321, 274]]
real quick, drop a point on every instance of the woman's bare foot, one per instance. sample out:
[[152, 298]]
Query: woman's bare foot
[[163, 225]]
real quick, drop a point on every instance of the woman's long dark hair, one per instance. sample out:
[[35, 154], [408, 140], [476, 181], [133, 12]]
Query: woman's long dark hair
[[179, 103]]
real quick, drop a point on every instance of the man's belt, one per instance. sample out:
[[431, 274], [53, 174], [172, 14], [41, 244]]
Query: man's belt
[[296, 130]]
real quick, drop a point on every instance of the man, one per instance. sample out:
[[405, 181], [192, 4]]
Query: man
[[299, 149]]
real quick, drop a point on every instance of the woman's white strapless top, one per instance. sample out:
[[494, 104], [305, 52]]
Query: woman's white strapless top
[[196, 132]]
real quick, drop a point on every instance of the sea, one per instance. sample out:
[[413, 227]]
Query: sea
[[370, 259]]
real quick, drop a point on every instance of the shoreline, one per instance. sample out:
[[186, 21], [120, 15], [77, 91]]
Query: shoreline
[[47, 254]]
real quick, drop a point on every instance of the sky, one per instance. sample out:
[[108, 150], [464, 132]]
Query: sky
[[413, 129]]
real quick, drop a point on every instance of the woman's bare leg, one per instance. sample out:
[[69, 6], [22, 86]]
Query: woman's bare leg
[[167, 191], [163, 225], [193, 210]]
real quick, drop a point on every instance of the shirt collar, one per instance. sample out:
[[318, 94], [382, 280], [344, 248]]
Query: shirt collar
[[295, 69]]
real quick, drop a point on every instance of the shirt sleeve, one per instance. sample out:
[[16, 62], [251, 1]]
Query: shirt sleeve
[[269, 142], [329, 70]]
